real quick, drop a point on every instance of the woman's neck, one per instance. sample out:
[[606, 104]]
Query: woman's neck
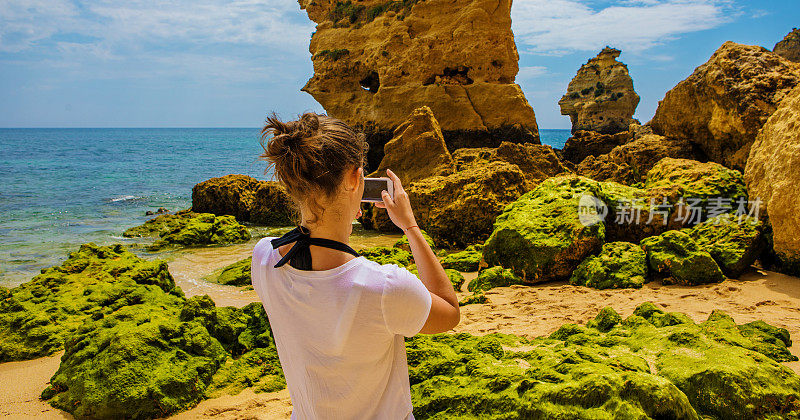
[[337, 231]]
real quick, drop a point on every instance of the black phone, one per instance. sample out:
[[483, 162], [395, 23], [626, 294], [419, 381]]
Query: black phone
[[373, 188]]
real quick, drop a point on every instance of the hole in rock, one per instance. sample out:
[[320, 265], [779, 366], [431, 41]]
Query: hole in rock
[[371, 82], [451, 76]]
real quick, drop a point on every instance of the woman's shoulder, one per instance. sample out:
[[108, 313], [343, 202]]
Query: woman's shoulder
[[262, 247]]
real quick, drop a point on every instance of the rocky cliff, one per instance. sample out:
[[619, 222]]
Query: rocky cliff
[[773, 177], [377, 61], [722, 105], [601, 96], [789, 46]]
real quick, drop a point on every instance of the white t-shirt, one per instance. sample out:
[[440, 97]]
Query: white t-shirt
[[339, 334]]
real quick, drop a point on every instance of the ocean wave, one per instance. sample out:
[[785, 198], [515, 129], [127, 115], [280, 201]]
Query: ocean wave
[[125, 198]]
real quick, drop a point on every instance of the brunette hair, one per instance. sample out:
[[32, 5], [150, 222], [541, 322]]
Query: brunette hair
[[310, 155]]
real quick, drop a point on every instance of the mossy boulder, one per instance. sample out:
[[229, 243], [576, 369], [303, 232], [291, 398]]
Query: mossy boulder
[[402, 243], [203, 229], [162, 223], [677, 258], [37, 317], [493, 277], [619, 265], [477, 297], [734, 242], [541, 237], [387, 255], [236, 274], [651, 365], [245, 198], [466, 261], [456, 278]]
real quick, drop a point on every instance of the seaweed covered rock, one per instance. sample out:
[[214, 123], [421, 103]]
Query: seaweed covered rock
[[725, 102], [540, 236], [387, 255], [677, 258], [245, 198], [402, 243], [619, 265], [493, 277], [162, 223], [773, 177], [477, 297], [458, 210], [202, 229], [789, 46], [651, 365], [236, 274], [689, 179], [467, 260], [601, 96], [583, 144], [734, 242], [417, 149], [37, 317]]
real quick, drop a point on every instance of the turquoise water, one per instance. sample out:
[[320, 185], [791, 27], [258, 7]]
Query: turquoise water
[[60, 188]]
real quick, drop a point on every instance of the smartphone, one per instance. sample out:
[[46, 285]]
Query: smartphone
[[373, 188]]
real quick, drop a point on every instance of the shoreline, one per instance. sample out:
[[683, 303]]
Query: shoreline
[[528, 311]]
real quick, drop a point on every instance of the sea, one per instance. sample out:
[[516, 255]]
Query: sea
[[62, 187]]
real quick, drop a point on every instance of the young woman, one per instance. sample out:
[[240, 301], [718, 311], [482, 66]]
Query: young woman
[[339, 319]]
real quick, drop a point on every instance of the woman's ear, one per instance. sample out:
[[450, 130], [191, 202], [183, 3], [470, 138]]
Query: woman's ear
[[354, 178]]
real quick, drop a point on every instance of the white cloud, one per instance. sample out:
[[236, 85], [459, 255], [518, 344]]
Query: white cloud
[[562, 26], [531, 72]]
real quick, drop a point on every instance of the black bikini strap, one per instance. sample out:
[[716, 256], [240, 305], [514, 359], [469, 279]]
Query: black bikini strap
[[299, 256]]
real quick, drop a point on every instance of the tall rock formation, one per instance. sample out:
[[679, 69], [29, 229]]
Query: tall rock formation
[[773, 177], [601, 96], [789, 46], [724, 103], [376, 61]]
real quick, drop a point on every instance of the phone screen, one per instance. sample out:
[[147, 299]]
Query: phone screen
[[373, 188]]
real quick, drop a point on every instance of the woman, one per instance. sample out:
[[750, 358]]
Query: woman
[[339, 319]]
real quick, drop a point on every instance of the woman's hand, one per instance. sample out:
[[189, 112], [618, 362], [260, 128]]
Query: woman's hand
[[399, 208]]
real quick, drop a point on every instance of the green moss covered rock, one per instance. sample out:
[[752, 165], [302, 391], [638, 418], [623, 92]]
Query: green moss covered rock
[[387, 255], [245, 198], [456, 278], [236, 274], [619, 265], [36, 317], [651, 365], [540, 236], [676, 257], [160, 224], [477, 297], [402, 243], [466, 261], [203, 229], [734, 243], [493, 277], [676, 178]]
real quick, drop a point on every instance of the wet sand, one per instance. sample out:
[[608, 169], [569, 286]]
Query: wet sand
[[529, 311]]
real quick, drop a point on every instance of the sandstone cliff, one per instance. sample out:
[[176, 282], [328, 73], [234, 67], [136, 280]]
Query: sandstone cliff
[[601, 96], [772, 176], [789, 46], [724, 103], [375, 62]]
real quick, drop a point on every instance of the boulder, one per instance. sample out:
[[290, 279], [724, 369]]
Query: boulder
[[417, 150], [162, 223], [678, 259], [789, 46], [629, 162], [459, 209], [583, 144], [202, 229], [245, 198], [467, 261], [375, 62], [540, 236], [734, 242], [493, 277], [403, 244], [601, 97], [773, 177], [619, 265], [725, 102], [651, 364], [537, 162], [387, 255], [236, 274]]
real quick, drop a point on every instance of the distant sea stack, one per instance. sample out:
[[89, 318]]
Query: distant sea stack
[[789, 47], [601, 97], [376, 62], [725, 102]]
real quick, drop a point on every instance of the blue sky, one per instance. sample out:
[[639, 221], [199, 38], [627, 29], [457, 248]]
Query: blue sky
[[214, 63]]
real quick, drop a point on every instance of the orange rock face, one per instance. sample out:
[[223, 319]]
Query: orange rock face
[[376, 62], [724, 103], [789, 46], [772, 175], [601, 96]]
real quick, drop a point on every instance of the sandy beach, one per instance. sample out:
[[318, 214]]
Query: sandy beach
[[528, 311]]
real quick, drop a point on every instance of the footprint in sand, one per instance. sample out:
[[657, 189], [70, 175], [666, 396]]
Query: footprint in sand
[[688, 296], [766, 303]]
